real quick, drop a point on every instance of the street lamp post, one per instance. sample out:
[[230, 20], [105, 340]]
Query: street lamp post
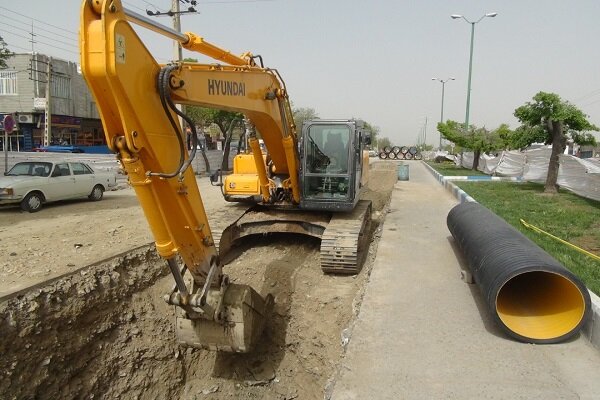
[[458, 16], [443, 81]]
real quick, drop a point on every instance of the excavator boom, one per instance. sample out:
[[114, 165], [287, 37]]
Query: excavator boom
[[318, 173], [135, 98]]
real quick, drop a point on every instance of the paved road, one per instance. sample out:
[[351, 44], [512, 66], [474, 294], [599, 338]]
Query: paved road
[[424, 334]]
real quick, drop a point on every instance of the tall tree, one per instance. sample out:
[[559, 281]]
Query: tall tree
[[480, 140], [5, 53], [551, 120], [302, 114]]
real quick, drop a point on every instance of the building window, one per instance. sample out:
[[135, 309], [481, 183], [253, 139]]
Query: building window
[[8, 82], [61, 86]]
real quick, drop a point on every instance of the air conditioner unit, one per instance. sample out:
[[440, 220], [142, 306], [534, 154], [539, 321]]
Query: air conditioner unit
[[25, 118]]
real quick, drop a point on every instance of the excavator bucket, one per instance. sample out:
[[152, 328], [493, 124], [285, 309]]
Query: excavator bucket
[[242, 321]]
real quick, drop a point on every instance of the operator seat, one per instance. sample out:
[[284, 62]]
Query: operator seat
[[334, 147]]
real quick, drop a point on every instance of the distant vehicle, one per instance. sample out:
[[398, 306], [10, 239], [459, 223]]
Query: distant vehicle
[[33, 183], [372, 153], [59, 149]]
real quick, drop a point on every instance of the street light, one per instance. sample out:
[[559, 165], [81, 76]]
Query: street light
[[458, 16], [443, 81]]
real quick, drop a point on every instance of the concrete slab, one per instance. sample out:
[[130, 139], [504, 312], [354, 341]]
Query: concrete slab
[[422, 333]]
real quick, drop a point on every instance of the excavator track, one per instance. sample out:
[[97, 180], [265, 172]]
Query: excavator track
[[343, 235], [344, 242], [258, 220]]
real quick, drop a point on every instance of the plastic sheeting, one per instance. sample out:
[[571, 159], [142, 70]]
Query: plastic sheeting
[[581, 176]]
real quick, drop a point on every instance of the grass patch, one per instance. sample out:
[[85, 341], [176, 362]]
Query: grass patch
[[451, 169], [568, 216]]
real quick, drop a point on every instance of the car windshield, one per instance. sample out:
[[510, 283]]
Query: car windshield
[[30, 169]]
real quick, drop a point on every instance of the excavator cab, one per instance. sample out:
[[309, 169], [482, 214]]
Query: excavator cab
[[332, 164]]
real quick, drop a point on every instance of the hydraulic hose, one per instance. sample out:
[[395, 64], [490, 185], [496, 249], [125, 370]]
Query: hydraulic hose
[[163, 84], [531, 296]]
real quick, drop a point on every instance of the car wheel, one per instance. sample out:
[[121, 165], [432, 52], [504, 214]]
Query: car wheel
[[32, 202], [97, 193]]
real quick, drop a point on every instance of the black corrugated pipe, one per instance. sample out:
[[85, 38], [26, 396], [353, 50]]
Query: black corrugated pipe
[[532, 296]]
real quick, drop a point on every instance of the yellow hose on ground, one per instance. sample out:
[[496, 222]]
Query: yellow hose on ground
[[579, 249]]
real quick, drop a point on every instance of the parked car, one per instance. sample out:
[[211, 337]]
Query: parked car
[[33, 183], [372, 153]]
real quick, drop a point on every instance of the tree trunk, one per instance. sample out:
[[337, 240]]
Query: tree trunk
[[206, 162], [476, 155], [559, 143], [227, 145], [241, 143]]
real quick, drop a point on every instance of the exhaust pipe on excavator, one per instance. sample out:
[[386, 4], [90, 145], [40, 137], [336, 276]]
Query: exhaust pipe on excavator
[[531, 296]]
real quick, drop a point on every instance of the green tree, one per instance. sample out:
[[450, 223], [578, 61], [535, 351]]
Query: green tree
[[5, 53], [383, 142], [225, 120], [480, 140], [505, 137], [302, 114], [551, 120]]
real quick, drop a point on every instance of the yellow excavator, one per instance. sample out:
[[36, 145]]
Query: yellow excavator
[[308, 184]]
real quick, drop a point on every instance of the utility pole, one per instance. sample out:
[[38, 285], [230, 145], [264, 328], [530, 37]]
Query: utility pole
[[48, 112], [177, 51], [425, 134], [34, 59], [175, 12]]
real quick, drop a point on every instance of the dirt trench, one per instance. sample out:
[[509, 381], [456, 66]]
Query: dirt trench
[[105, 332]]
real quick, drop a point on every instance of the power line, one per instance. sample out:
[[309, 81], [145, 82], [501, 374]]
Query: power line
[[136, 7], [14, 34], [40, 35], [38, 41], [589, 104], [40, 21], [29, 26], [18, 47], [57, 47], [590, 94]]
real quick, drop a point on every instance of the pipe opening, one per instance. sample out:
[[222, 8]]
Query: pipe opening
[[540, 305]]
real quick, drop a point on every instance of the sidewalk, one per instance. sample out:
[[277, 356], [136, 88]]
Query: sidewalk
[[422, 333]]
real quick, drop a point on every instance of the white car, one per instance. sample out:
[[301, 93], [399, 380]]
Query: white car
[[32, 183]]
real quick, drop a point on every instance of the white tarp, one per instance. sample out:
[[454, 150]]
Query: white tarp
[[581, 176], [536, 164], [489, 164], [511, 163]]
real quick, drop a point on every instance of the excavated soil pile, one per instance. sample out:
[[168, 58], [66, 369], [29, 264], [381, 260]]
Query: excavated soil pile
[[105, 332]]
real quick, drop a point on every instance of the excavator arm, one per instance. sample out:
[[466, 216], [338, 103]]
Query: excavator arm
[[136, 99]]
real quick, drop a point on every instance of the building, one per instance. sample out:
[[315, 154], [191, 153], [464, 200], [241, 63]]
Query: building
[[73, 114]]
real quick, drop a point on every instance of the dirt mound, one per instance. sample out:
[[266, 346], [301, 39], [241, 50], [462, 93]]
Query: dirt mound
[[105, 332]]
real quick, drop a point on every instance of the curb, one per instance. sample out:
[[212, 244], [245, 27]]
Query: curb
[[592, 329]]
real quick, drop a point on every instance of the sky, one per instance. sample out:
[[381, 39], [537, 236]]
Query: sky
[[375, 60]]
